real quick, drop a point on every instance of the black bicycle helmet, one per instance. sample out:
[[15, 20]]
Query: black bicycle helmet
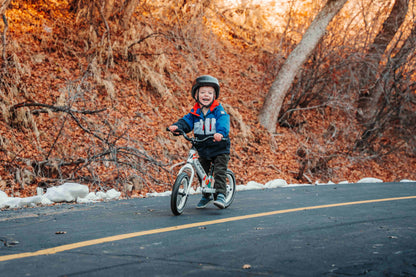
[[204, 81]]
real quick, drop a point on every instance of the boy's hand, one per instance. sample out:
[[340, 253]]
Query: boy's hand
[[218, 137], [173, 128]]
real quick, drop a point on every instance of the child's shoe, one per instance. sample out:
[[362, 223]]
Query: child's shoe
[[204, 202], [220, 202]]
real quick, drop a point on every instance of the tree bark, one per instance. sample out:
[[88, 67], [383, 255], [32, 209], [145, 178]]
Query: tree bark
[[279, 89], [391, 96], [4, 5], [108, 9], [390, 27], [3, 8], [368, 99], [129, 7]]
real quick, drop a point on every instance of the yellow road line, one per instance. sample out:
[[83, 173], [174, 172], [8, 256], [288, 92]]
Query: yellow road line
[[71, 246]]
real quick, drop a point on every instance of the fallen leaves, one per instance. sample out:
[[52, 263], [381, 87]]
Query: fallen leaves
[[142, 115]]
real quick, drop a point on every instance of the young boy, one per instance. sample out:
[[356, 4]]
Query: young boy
[[208, 118]]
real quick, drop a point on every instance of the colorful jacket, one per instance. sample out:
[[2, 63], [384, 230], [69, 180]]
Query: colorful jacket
[[215, 121]]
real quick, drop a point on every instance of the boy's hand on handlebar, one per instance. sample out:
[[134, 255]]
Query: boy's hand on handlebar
[[218, 137], [177, 132], [173, 128]]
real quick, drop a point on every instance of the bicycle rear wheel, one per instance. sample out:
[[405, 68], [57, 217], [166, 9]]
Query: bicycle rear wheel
[[230, 194], [179, 197]]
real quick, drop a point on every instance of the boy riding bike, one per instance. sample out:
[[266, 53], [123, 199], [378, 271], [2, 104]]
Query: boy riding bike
[[208, 118]]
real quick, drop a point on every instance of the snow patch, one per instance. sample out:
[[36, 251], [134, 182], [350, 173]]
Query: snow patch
[[68, 192], [277, 183], [370, 180], [3, 196], [407, 181], [166, 193]]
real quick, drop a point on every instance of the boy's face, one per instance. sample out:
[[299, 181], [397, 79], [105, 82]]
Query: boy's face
[[206, 95]]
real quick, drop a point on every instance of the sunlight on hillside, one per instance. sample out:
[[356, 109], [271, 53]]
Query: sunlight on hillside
[[128, 72], [275, 12], [271, 10], [292, 18]]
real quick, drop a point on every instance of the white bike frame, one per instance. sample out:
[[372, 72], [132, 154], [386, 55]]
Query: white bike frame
[[193, 165]]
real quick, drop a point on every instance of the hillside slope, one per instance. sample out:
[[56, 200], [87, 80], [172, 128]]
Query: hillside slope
[[87, 104]]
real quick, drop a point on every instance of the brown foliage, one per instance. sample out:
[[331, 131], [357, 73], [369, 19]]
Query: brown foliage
[[87, 99]]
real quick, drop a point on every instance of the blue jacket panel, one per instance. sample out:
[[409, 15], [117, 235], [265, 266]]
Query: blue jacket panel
[[215, 121]]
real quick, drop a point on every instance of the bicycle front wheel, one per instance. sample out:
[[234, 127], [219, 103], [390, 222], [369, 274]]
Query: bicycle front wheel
[[179, 197], [230, 194]]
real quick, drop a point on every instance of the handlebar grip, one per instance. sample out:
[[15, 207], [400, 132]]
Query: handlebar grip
[[177, 132]]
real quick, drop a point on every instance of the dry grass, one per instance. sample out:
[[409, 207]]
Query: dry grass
[[142, 76]]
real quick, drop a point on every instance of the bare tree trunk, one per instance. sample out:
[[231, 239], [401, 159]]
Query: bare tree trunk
[[392, 93], [108, 9], [369, 70], [4, 40], [129, 7], [277, 93], [4, 5], [390, 27]]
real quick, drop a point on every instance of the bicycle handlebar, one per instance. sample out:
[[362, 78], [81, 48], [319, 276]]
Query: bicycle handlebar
[[193, 140]]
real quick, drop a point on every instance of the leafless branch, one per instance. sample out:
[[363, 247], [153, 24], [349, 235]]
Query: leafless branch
[[108, 33], [144, 38], [54, 108], [4, 40]]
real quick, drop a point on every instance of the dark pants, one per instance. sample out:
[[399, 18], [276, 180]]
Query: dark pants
[[220, 164]]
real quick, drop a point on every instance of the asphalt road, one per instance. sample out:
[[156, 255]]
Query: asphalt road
[[334, 230]]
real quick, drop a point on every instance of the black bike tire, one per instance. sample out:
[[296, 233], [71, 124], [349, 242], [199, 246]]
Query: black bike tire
[[231, 177], [174, 204]]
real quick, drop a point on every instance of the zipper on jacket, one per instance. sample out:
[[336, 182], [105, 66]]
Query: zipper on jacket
[[203, 123]]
